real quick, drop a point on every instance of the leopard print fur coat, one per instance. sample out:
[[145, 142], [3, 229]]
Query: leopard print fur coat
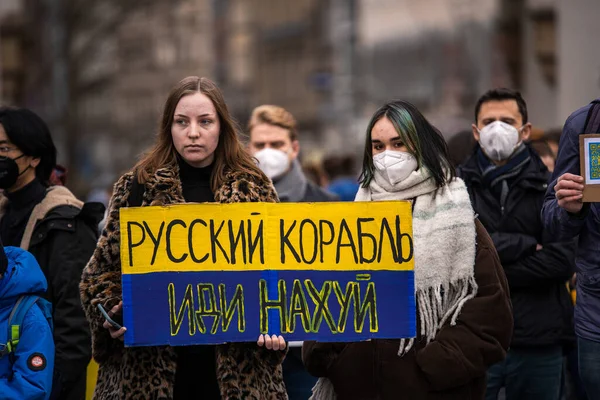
[[244, 370]]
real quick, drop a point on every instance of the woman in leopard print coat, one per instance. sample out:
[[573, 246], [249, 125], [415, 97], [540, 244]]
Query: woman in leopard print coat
[[243, 370]]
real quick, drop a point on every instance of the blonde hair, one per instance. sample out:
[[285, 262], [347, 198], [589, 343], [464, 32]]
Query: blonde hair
[[229, 154], [274, 115]]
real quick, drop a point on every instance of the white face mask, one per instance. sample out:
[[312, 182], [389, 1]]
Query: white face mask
[[274, 163], [394, 166], [498, 140]]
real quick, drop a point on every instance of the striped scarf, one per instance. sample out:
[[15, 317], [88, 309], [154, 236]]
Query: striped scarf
[[444, 245], [497, 177]]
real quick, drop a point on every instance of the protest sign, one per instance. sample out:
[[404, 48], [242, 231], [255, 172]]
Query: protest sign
[[215, 273], [589, 157]]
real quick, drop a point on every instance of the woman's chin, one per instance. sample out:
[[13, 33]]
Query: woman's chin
[[197, 160]]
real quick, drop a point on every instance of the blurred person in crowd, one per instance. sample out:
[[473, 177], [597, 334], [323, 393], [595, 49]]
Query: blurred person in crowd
[[342, 180], [314, 173], [101, 193], [27, 364], [460, 147], [274, 143], [547, 148], [464, 313], [197, 157], [506, 182], [59, 176], [544, 151], [57, 228], [552, 137], [565, 217], [572, 387]]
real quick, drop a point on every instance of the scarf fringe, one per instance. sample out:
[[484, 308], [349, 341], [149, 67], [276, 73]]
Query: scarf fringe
[[437, 305], [323, 390], [442, 301], [440, 218]]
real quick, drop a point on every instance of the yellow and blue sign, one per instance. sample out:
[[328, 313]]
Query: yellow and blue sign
[[215, 273]]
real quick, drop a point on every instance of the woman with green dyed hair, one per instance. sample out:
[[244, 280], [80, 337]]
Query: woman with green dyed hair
[[464, 320]]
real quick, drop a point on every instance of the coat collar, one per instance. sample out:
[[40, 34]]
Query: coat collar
[[56, 196], [164, 187], [535, 171]]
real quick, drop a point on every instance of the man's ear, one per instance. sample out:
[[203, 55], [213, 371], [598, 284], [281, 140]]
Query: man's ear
[[35, 162], [475, 132], [526, 132], [295, 149]]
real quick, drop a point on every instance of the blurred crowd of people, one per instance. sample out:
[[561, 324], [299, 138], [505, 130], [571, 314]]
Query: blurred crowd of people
[[502, 240]]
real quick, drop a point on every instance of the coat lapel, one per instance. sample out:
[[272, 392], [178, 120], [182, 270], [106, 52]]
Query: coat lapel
[[164, 188]]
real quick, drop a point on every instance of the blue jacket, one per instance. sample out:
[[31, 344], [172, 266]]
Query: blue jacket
[[30, 377], [345, 188], [565, 226]]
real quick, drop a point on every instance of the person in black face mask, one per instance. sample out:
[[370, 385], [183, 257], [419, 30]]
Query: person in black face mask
[[57, 228], [22, 190], [9, 170]]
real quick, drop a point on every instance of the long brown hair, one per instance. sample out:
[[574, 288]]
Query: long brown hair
[[229, 154]]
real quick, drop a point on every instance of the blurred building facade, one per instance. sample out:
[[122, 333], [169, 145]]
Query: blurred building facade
[[437, 54], [99, 70], [278, 52], [331, 63], [12, 43], [560, 61]]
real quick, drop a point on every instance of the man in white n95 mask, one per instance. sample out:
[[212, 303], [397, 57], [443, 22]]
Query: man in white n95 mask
[[274, 143], [507, 182]]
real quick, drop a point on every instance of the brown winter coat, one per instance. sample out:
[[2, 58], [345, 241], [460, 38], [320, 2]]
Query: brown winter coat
[[453, 366], [244, 370]]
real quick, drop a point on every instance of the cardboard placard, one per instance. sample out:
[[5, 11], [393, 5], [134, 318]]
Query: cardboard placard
[[589, 158], [215, 273]]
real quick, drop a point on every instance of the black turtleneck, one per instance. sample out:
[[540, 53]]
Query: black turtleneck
[[195, 183], [17, 213], [196, 365]]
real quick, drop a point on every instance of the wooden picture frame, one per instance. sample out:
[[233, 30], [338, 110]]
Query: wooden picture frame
[[589, 164]]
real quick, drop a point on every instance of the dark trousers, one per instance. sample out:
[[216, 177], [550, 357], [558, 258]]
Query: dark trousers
[[528, 374], [74, 390], [589, 367], [298, 382], [572, 385]]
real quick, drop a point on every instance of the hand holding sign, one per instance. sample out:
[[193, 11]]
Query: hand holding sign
[[569, 192], [271, 342]]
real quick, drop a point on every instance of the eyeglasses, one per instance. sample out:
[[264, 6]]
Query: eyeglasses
[[4, 150]]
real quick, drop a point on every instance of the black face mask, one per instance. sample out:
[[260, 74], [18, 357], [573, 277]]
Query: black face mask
[[9, 172]]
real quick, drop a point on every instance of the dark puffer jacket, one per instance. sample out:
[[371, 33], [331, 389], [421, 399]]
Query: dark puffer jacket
[[542, 308]]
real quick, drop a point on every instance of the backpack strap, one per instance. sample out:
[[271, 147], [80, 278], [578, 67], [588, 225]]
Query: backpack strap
[[592, 121], [136, 194], [15, 320]]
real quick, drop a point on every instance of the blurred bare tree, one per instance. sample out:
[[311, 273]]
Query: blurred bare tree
[[77, 56]]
